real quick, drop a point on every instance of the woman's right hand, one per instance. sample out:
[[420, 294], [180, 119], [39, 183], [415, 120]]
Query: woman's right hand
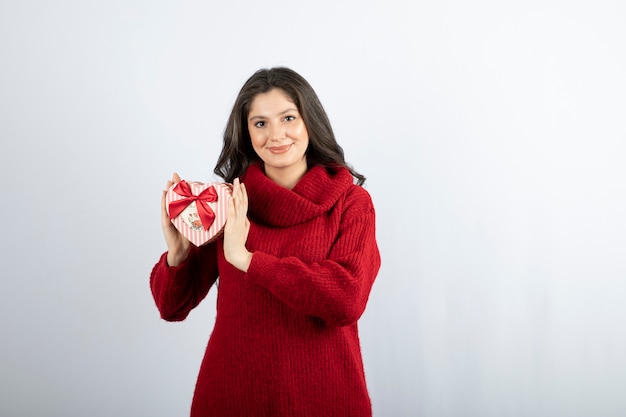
[[177, 245]]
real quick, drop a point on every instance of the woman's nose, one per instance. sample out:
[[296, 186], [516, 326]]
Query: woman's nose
[[277, 131]]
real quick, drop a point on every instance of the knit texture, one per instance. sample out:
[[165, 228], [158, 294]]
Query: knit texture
[[285, 340]]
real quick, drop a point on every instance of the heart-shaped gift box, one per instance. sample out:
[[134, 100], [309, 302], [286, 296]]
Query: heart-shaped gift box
[[198, 210]]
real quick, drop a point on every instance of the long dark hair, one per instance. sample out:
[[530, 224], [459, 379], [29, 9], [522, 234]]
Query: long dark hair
[[237, 153]]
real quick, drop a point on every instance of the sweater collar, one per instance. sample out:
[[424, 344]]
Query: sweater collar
[[316, 192]]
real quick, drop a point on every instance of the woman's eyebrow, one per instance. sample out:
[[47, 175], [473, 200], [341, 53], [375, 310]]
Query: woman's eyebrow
[[290, 109]]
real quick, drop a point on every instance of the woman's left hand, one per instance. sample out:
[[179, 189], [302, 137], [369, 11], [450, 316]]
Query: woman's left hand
[[237, 228]]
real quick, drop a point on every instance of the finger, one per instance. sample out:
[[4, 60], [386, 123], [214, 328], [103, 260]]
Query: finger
[[231, 210], [163, 197], [237, 194], [165, 216], [232, 201], [175, 178], [244, 194], [243, 201], [235, 189], [163, 209]]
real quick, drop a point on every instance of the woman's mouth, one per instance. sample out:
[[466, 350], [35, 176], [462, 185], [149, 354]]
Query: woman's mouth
[[279, 149]]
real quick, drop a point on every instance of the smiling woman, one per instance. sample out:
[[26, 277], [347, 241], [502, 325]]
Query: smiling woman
[[279, 137], [296, 264]]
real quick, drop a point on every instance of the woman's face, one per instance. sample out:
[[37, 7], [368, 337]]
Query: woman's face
[[278, 133]]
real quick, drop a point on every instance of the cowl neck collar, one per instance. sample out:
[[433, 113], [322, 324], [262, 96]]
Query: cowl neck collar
[[316, 192]]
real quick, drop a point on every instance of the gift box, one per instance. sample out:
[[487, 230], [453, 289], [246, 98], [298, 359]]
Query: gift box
[[198, 210]]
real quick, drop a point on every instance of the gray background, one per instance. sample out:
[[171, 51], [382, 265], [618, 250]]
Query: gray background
[[493, 136]]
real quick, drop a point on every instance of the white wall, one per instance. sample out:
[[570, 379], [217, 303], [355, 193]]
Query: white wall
[[493, 138]]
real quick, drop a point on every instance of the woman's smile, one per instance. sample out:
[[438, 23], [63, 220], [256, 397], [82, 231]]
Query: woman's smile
[[280, 149]]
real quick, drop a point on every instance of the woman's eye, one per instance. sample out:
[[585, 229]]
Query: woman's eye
[[259, 124], [290, 118]]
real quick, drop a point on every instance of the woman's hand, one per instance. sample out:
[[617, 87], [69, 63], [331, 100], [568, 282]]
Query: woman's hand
[[237, 228], [177, 245]]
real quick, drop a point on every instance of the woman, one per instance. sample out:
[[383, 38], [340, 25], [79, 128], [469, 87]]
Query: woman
[[296, 263]]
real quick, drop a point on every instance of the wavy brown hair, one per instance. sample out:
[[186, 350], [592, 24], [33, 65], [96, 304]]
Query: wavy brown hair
[[237, 153]]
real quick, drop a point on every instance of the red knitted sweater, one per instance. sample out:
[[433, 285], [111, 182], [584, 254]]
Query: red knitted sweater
[[285, 340]]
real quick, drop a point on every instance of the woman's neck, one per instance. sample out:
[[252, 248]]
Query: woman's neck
[[286, 177]]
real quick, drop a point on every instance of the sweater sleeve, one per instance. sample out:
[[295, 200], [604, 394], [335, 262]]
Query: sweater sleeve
[[178, 290], [336, 289]]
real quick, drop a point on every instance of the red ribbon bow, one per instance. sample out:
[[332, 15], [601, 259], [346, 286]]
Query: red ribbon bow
[[204, 211]]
